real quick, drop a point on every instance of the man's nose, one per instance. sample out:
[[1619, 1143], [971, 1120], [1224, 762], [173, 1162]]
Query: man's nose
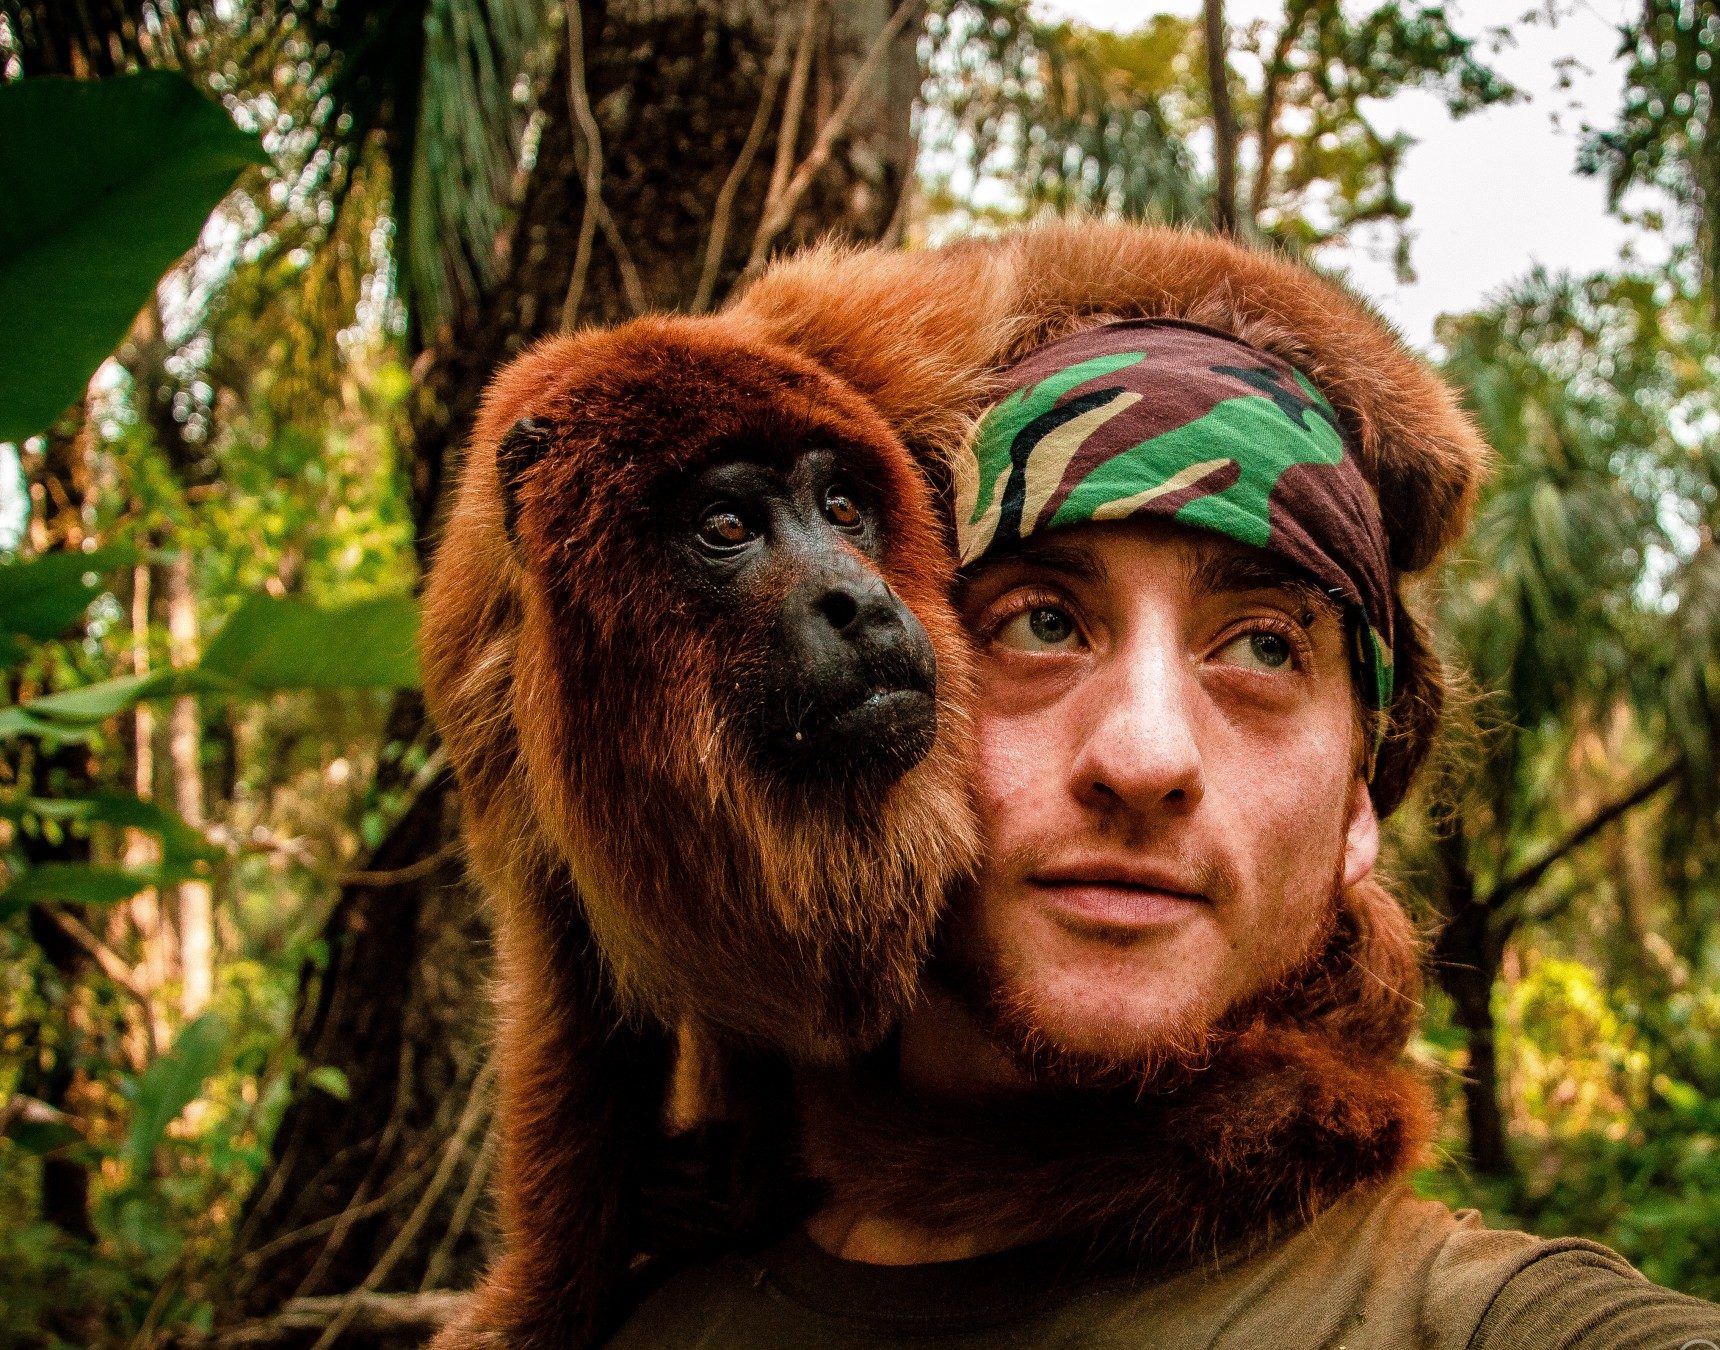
[[1142, 748]]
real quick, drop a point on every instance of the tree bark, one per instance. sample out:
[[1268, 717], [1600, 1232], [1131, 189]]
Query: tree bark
[[149, 929], [1223, 119], [401, 1007], [1466, 959], [185, 752]]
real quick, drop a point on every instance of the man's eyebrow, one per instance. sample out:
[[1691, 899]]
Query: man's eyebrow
[[1224, 572], [1056, 555]]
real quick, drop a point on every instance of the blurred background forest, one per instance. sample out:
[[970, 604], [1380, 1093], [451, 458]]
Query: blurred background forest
[[243, 1093]]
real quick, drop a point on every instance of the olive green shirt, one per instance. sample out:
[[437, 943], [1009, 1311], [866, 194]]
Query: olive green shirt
[[1381, 1269]]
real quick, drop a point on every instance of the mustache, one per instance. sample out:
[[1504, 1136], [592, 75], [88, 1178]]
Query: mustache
[[1214, 878]]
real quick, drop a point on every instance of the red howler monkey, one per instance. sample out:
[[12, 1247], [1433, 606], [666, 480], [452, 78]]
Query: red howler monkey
[[689, 642], [616, 710]]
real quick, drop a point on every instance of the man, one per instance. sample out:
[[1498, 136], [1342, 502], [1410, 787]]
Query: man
[[1153, 1092]]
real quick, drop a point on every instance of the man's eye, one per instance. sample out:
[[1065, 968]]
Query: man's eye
[[1262, 650], [724, 528], [1042, 628], [839, 508]]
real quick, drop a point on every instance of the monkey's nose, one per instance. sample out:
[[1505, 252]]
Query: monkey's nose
[[867, 615], [839, 608]]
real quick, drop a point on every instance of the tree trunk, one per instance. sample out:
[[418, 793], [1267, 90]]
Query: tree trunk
[[673, 91], [56, 1045], [185, 751], [1223, 118], [1466, 959], [149, 929]]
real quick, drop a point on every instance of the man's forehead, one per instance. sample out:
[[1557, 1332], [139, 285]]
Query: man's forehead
[[1155, 553]]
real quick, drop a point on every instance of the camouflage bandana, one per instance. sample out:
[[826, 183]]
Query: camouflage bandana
[[1172, 420]]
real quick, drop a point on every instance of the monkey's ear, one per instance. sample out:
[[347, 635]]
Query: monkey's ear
[[522, 447]]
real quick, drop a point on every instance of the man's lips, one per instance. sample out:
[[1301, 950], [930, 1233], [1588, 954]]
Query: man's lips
[[1117, 895]]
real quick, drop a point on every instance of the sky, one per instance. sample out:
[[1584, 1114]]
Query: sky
[[1495, 193]]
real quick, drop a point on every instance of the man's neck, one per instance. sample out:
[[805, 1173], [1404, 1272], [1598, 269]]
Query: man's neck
[[942, 1050]]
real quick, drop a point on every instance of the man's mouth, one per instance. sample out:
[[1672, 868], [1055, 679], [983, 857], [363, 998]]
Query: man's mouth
[[1116, 895]]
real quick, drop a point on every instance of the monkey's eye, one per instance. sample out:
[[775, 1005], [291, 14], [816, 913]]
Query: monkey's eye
[[724, 528], [839, 508]]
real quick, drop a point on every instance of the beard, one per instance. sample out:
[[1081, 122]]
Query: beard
[[1013, 1015]]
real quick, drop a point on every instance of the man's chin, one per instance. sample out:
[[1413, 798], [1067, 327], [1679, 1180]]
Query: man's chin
[[1053, 1037], [1049, 1045]]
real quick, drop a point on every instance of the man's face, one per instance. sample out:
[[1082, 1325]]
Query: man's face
[[1168, 783]]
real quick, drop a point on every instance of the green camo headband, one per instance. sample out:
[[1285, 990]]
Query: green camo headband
[[1165, 419]]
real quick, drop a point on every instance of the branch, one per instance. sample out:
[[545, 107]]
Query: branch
[[402, 876], [112, 963], [463, 1210], [1266, 125], [788, 134], [33, 1112], [371, 1315], [595, 212], [1223, 119], [452, 1152], [1526, 878], [779, 212], [724, 209]]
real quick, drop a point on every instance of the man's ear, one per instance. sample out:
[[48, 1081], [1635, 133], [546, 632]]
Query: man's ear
[[1361, 834]]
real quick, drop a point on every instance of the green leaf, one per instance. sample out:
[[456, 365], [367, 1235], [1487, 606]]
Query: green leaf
[[331, 1080], [179, 842], [42, 597], [268, 645], [294, 644], [17, 722], [97, 702], [107, 183], [170, 1084], [75, 883], [42, 1137]]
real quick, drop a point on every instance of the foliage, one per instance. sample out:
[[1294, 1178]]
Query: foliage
[[1667, 136], [1058, 116], [1322, 169], [250, 432], [107, 184], [1026, 115], [170, 1135]]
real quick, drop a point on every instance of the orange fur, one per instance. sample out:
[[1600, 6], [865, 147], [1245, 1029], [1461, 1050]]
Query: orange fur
[[923, 335], [604, 807], [1301, 1101], [644, 874]]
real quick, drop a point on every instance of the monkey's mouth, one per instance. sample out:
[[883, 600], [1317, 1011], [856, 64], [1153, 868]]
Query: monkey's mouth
[[882, 712], [874, 736]]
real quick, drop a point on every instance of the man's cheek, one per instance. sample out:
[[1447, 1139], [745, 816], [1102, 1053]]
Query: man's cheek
[[1014, 786]]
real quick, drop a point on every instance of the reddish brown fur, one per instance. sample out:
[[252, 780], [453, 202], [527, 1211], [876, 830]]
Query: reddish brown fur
[[916, 339], [1303, 1103], [922, 335], [610, 802]]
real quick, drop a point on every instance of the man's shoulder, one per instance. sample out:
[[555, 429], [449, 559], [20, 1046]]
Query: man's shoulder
[[1387, 1268], [1383, 1268]]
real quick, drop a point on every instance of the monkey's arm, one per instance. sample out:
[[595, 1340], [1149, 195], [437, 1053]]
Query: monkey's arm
[[580, 1101]]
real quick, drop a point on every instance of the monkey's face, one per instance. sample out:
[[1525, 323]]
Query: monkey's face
[[845, 689], [739, 688]]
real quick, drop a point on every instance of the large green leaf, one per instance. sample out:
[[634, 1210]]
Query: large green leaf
[[77, 884], [42, 597], [294, 644], [170, 1084], [105, 184], [180, 844], [92, 703], [269, 645]]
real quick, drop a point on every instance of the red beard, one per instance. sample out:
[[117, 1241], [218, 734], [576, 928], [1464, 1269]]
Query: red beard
[[1228, 1134]]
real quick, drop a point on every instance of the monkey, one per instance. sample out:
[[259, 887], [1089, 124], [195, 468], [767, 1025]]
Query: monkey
[[621, 713], [690, 643]]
